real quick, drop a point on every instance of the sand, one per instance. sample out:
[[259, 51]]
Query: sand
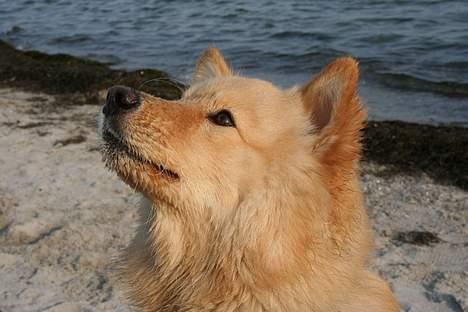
[[64, 218]]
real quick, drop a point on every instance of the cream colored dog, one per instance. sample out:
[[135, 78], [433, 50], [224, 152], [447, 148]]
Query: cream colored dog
[[253, 200]]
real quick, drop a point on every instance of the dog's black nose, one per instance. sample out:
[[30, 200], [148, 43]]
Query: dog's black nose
[[120, 99]]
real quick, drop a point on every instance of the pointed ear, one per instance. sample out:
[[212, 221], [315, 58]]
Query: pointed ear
[[211, 64], [331, 92], [335, 111]]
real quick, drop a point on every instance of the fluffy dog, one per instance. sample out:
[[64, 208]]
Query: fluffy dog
[[252, 199]]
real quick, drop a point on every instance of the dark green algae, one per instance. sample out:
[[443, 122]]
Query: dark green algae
[[77, 79]]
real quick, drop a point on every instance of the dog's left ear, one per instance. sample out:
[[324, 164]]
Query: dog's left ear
[[334, 110], [211, 64]]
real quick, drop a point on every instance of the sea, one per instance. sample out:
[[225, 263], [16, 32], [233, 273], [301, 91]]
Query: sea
[[413, 54]]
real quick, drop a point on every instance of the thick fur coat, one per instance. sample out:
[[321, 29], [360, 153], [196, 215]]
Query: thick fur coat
[[252, 200]]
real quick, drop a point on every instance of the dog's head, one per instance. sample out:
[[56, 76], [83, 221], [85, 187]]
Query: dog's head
[[231, 140]]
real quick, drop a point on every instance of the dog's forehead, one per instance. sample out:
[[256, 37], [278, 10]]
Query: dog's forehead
[[249, 87], [238, 92]]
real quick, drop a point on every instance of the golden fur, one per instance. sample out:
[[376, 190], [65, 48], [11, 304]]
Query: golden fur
[[264, 216]]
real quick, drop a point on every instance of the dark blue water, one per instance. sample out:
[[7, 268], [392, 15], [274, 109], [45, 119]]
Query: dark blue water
[[413, 54]]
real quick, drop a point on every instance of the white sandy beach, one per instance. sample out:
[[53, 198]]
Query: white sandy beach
[[64, 217]]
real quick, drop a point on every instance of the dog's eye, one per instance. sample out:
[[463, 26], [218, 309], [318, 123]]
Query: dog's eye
[[222, 118]]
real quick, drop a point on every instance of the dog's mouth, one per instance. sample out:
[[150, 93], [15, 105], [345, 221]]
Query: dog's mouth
[[115, 146]]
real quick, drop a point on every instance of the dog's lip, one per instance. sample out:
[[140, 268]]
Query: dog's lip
[[117, 144]]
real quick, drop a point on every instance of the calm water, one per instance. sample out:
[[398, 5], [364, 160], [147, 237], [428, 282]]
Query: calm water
[[413, 54]]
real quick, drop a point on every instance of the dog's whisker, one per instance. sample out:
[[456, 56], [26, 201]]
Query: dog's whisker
[[173, 82]]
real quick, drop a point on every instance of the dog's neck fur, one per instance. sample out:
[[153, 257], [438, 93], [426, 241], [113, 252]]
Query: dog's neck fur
[[184, 255]]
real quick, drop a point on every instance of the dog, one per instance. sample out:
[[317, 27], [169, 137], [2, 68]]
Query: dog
[[251, 194]]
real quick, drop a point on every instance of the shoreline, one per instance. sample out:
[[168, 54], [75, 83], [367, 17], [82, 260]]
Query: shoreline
[[401, 147]]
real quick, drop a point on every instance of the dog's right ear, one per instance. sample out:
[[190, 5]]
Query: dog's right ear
[[211, 64]]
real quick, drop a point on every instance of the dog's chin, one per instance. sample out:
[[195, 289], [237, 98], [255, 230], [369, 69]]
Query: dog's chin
[[132, 167]]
